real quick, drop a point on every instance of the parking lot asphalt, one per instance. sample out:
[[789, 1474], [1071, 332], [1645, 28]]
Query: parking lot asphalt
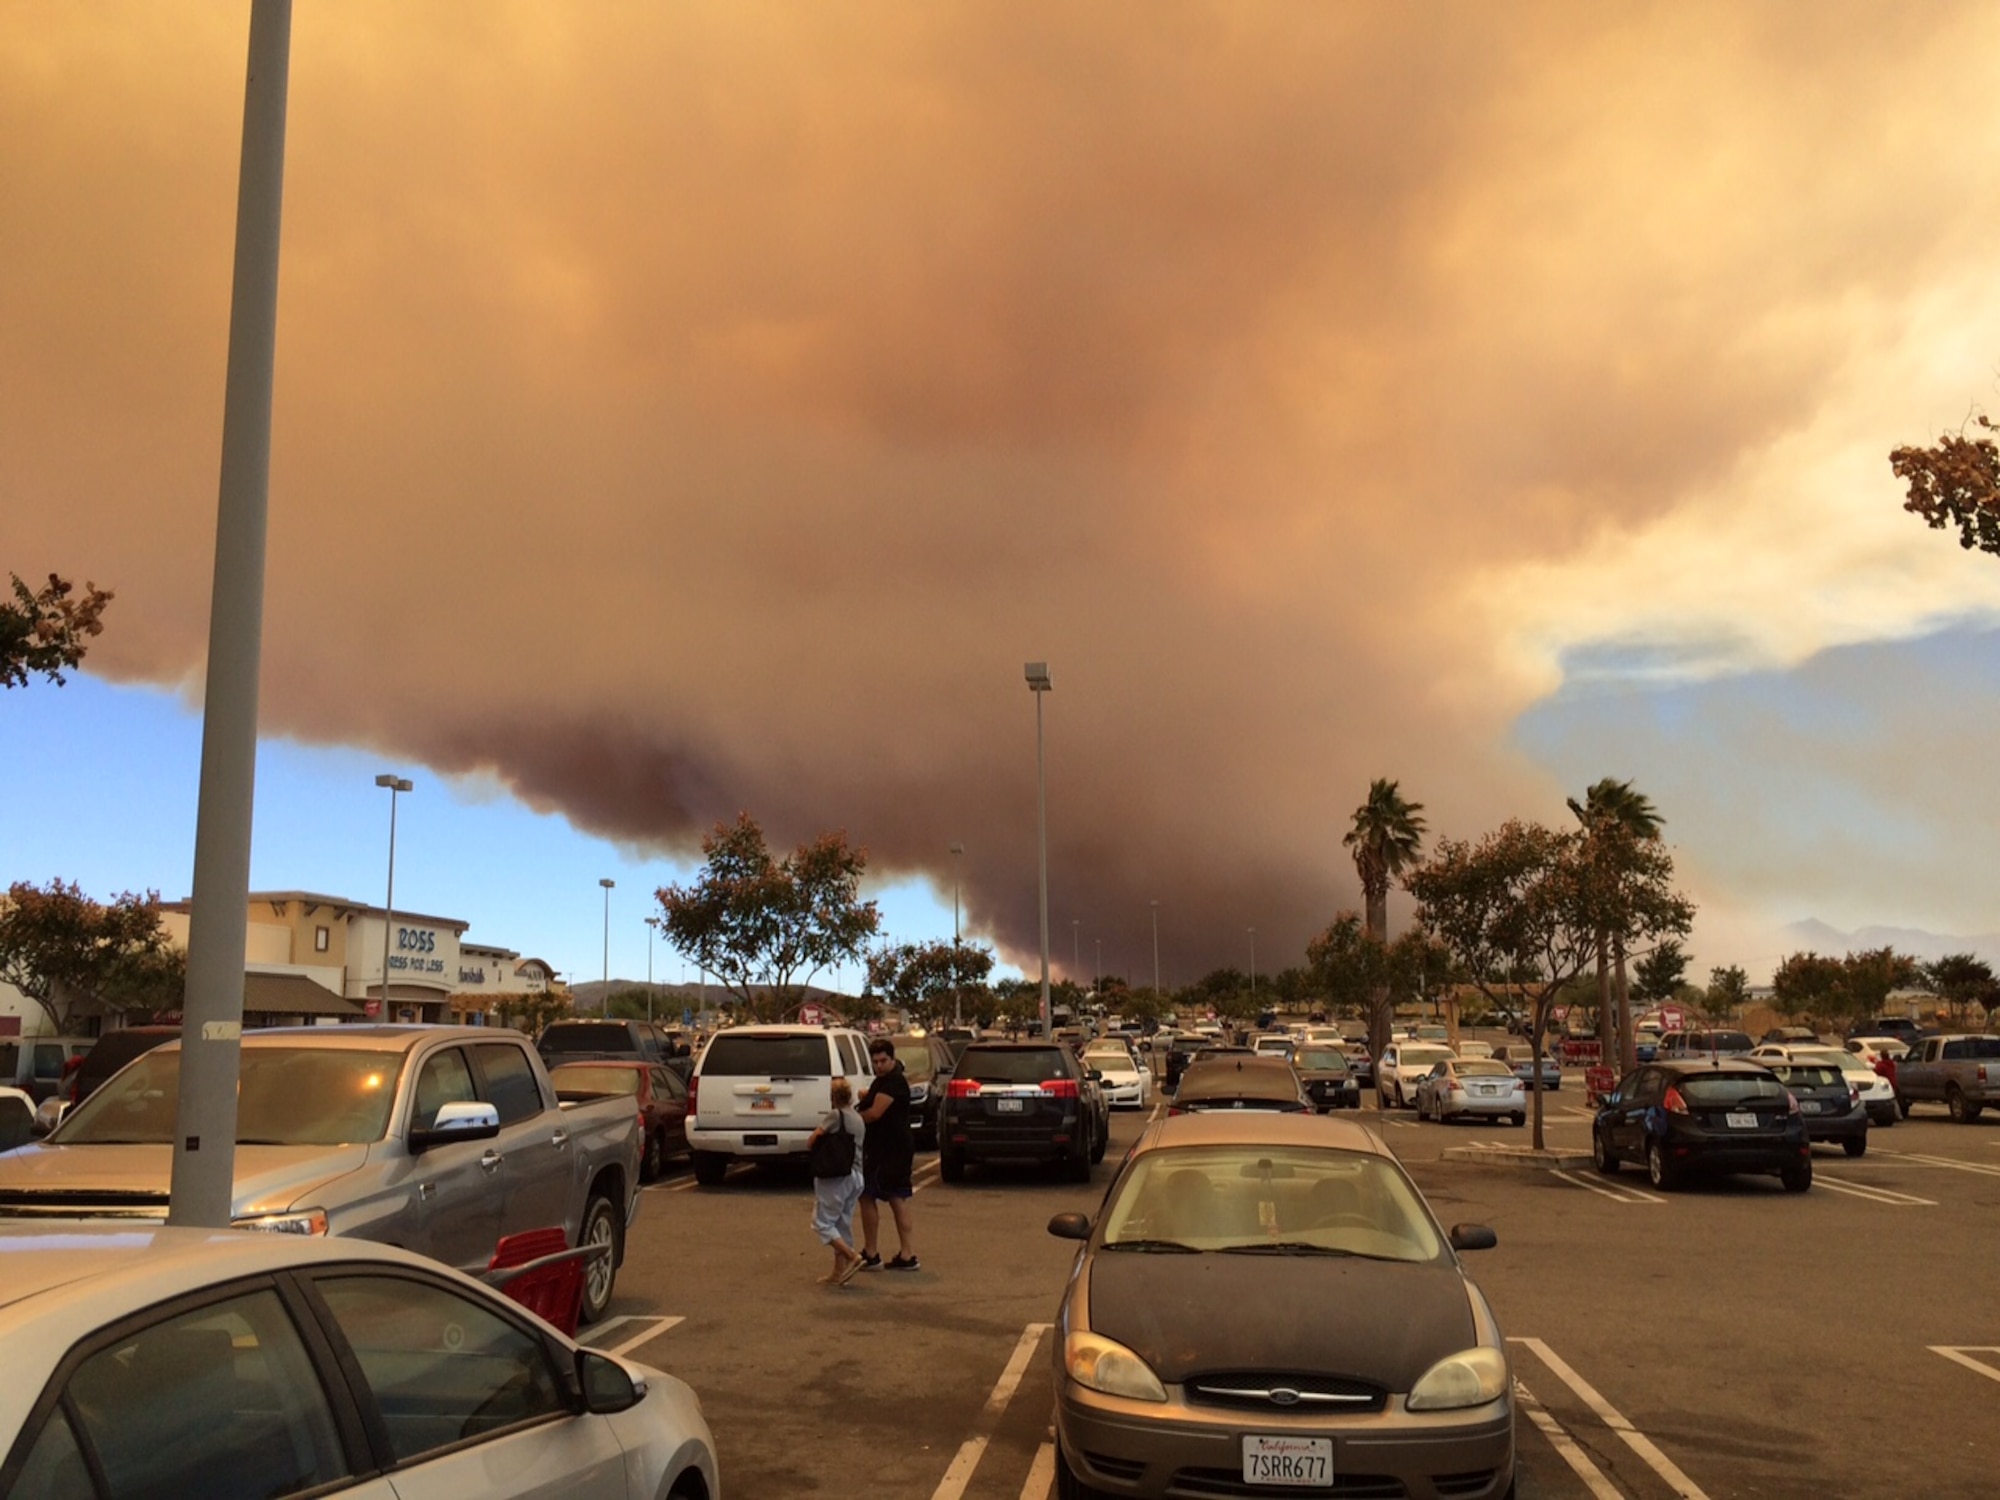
[[1726, 1339]]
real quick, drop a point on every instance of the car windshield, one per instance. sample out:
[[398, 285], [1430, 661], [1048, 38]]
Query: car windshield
[[915, 1055], [1730, 1088], [285, 1096], [1256, 1197], [582, 1080], [587, 1036], [1481, 1067]]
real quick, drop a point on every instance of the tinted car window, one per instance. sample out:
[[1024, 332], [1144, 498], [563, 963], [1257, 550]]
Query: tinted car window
[[445, 1079], [1322, 1060], [768, 1056], [1972, 1046], [1729, 1088], [581, 1079], [221, 1402], [16, 1122], [510, 1084], [442, 1368], [914, 1052], [587, 1036], [1014, 1065], [1805, 1075]]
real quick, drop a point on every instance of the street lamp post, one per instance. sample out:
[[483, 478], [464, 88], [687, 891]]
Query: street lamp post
[[1038, 683], [1156, 949], [394, 784], [1253, 963], [604, 1000], [1098, 972], [957, 986], [1075, 946], [653, 923]]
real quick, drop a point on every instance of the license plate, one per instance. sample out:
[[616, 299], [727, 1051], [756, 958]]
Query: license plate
[[1298, 1461], [1741, 1120], [1009, 1106], [1811, 1106]]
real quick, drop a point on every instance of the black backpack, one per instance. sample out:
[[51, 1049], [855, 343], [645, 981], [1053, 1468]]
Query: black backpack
[[832, 1151]]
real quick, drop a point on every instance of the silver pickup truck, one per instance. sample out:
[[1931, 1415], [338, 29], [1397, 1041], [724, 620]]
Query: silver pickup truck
[[440, 1139], [1960, 1072]]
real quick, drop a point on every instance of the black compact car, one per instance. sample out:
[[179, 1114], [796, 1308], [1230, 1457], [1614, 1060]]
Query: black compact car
[[1679, 1116], [1330, 1082], [1831, 1105], [1247, 1082], [1022, 1101], [927, 1064]]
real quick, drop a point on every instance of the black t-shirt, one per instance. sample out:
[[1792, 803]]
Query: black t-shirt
[[889, 1137]]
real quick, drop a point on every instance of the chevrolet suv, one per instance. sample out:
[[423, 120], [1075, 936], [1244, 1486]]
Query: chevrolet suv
[[758, 1092], [1022, 1101]]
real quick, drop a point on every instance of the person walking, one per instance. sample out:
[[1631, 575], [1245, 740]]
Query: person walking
[[888, 1156], [834, 1149]]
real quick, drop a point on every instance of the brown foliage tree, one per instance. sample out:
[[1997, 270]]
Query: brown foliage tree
[[62, 949], [44, 631]]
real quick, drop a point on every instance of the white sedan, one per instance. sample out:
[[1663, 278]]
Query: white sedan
[[223, 1363], [1126, 1083], [1477, 1086]]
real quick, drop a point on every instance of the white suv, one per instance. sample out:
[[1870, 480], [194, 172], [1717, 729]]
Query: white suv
[[758, 1091], [1398, 1069]]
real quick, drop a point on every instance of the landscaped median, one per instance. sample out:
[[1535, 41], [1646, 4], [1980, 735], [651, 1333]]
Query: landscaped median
[[1522, 1157]]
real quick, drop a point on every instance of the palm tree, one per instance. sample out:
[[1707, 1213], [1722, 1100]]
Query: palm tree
[[1385, 838], [1631, 812]]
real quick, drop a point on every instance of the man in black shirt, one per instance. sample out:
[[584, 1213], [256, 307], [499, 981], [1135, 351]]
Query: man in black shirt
[[887, 1156]]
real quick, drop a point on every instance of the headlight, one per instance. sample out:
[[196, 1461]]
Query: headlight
[[307, 1221], [1471, 1378], [1110, 1368]]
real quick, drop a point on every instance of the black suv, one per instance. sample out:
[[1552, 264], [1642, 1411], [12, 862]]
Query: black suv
[[573, 1041], [1022, 1101], [1719, 1114]]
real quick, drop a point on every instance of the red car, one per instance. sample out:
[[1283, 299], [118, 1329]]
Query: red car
[[657, 1090]]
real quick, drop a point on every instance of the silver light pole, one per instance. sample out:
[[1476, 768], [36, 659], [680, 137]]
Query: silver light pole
[[1156, 948], [957, 988], [604, 1000], [1038, 683], [394, 784], [202, 1180], [1253, 963], [653, 923]]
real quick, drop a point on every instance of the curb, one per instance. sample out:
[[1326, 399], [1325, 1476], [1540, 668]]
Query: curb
[[1518, 1158]]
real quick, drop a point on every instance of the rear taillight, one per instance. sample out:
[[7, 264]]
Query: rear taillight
[[1062, 1088], [962, 1088], [1674, 1104], [694, 1086]]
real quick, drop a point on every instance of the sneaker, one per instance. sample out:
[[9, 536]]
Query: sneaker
[[870, 1262], [904, 1263]]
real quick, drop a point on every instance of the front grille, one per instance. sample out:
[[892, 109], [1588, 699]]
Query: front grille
[[87, 1203], [1267, 1390], [1127, 1469], [1198, 1484]]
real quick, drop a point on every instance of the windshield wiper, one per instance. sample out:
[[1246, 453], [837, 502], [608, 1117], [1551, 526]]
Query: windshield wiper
[[1168, 1247], [1292, 1247]]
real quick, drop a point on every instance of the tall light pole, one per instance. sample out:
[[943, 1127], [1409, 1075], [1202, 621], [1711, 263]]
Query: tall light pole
[[1038, 684], [957, 987], [1156, 949], [395, 784], [1075, 946], [1098, 973], [604, 1000], [653, 923], [1253, 962]]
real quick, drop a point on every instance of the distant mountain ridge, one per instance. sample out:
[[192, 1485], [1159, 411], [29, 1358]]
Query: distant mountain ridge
[[1818, 937]]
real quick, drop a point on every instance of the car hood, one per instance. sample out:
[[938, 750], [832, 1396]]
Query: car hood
[[269, 1179], [1380, 1321]]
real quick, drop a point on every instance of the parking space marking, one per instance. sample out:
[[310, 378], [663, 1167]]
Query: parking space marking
[[970, 1451], [660, 1326], [736, 1169], [1962, 1354], [1606, 1190], [1944, 1161], [1871, 1193], [1041, 1474], [1634, 1439], [655, 1326], [1571, 1451]]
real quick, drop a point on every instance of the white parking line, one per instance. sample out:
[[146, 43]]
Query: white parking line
[[960, 1473], [1041, 1474], [1871, 1193], [660, 1326], [1634, 1439], [1945, 1161], [1960, 1354], [1604, 1189], [1572, 1454]]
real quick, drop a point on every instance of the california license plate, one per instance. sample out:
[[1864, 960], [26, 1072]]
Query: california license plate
[[1009, 1106], [1298, 1461], [1811, 1106], [1741, 1119], [763, 1104]]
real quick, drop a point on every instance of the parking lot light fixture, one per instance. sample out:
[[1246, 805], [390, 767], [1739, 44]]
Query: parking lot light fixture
[[653, 931], [957, 988], [1037, 673], [394, 785], [604, 1000], [1156, 949]]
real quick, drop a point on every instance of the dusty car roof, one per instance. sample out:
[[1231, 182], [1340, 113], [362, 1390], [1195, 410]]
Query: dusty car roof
[[395, 1038], [1234, 1128]]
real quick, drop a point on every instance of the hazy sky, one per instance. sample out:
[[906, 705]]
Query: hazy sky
[[710, 406]]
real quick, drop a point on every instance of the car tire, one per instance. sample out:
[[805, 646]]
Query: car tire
[[927, 1134], [951, 1165], [654, 1162], [1519, 1119], [600, 1227], [1797, 1179], [1381, 1100], [1961, 1109], [1659, 1171], [710, 1167], [1903, 1105], [1602, 1156], [1076, 1167], [1855, 1145], [1099, 1146]]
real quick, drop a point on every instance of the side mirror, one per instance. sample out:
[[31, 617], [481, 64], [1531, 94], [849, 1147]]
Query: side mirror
[[1473, 1237], [461, 1120], [607, 1385], [1070, 1226], [1096, 1075], [1611, 1098]]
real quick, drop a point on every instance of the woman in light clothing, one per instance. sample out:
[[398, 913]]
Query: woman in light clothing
[[835, 1194]]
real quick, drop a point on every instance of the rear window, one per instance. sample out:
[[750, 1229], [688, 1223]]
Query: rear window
[[1421, 1057], [1023, 1065], [579, 1082], [1806, 1075], [768, 1056], [1484, 1067], [588, 1036], [1972, 1046], [1323, 1060], [1730, 1088]]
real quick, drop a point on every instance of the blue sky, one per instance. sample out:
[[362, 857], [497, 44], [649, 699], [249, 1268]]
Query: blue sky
[[102, 788]]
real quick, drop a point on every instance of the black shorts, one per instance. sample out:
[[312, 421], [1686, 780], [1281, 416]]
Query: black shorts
[[886, 1179]]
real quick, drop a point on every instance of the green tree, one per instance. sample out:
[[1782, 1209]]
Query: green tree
[[763, 926], [1385, 839], [931, 981], [45, 630], [1955, 481], [1614, 817], [1727, 991], [529, 1011], [1868, 977], [64, 951], [1963, 980], [1354, 968], [1807, 987], [1660, 974]]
